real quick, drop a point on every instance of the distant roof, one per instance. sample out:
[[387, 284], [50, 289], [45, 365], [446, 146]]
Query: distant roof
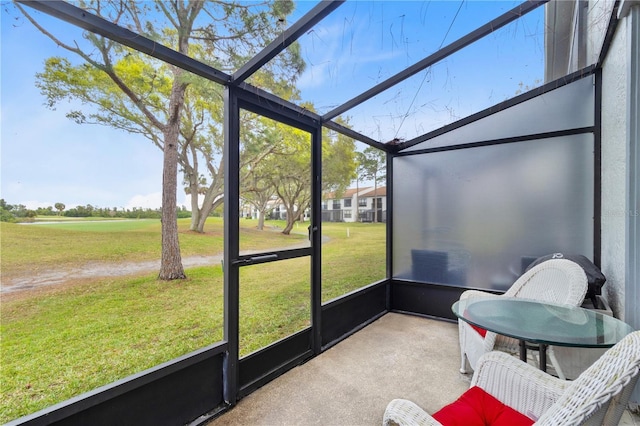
[[381, 191], [347, 193], [366, 191]]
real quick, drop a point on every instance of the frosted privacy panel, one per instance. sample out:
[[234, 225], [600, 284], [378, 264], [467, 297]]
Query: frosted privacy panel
[[476, 217], [567, 107]]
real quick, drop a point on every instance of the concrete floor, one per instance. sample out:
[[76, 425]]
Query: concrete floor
[[398, 356]]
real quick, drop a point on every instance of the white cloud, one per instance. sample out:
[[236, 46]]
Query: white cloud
[[154, 201], [146, 201], [34, 204]]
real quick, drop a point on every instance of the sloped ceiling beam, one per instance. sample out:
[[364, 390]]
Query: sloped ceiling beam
[[304, 24], [355, 135], [448, 50], [83, 19], [265, 100]]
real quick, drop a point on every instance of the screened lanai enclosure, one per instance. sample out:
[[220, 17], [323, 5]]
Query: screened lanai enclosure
[[488, 115]]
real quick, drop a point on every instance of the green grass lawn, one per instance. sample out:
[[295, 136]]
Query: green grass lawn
[[69, 339], [68, 342], [35, 248], [354, 256], [75, 219]]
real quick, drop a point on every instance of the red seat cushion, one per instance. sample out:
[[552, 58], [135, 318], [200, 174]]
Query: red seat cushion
[[478, 408], [481, 331]]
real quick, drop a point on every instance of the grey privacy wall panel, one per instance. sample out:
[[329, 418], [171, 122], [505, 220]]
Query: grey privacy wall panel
[[475, 217]]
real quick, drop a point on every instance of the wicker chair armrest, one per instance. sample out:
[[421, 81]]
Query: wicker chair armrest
[[401, 412], [468, 294], [519, 385]]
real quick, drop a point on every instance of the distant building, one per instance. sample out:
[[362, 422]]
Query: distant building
[[275, 210], [356, 205], [353, 205]]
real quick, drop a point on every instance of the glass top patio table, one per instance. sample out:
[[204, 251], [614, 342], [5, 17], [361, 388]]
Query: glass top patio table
[[542, 323]]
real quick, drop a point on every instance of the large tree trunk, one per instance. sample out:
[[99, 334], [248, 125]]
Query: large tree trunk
[[292, 217], [212, 199], [195, 210], [191, 176], [261, 219], [287, 229], [202, 219], [171, 263], [204, 212]]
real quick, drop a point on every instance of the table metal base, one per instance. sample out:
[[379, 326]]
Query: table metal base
[[542, 348]]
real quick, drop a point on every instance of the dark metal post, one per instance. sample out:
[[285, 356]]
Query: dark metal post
[[316, 239], [389, 183], [597, 172], [231, 242], [523, 351], [543, 357]]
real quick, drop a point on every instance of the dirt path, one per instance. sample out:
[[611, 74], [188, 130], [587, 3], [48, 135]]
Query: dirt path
[[102, 270], [95, 270]]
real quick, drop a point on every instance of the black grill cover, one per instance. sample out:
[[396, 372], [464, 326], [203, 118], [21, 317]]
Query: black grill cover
[[595, 278]]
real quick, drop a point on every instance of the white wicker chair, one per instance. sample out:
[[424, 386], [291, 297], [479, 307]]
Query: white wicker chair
[[598, 396], [558, 281]]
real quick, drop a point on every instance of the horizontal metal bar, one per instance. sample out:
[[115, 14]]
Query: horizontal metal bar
[[500, 107], [301, 26], [90, 22], [355, 135], [106, 394], [263, 258], [255, 259], [448, 50], [513, 139], [269, 105], [245, 260]]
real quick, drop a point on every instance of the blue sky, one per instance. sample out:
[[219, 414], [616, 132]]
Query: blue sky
[[47, 158]]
